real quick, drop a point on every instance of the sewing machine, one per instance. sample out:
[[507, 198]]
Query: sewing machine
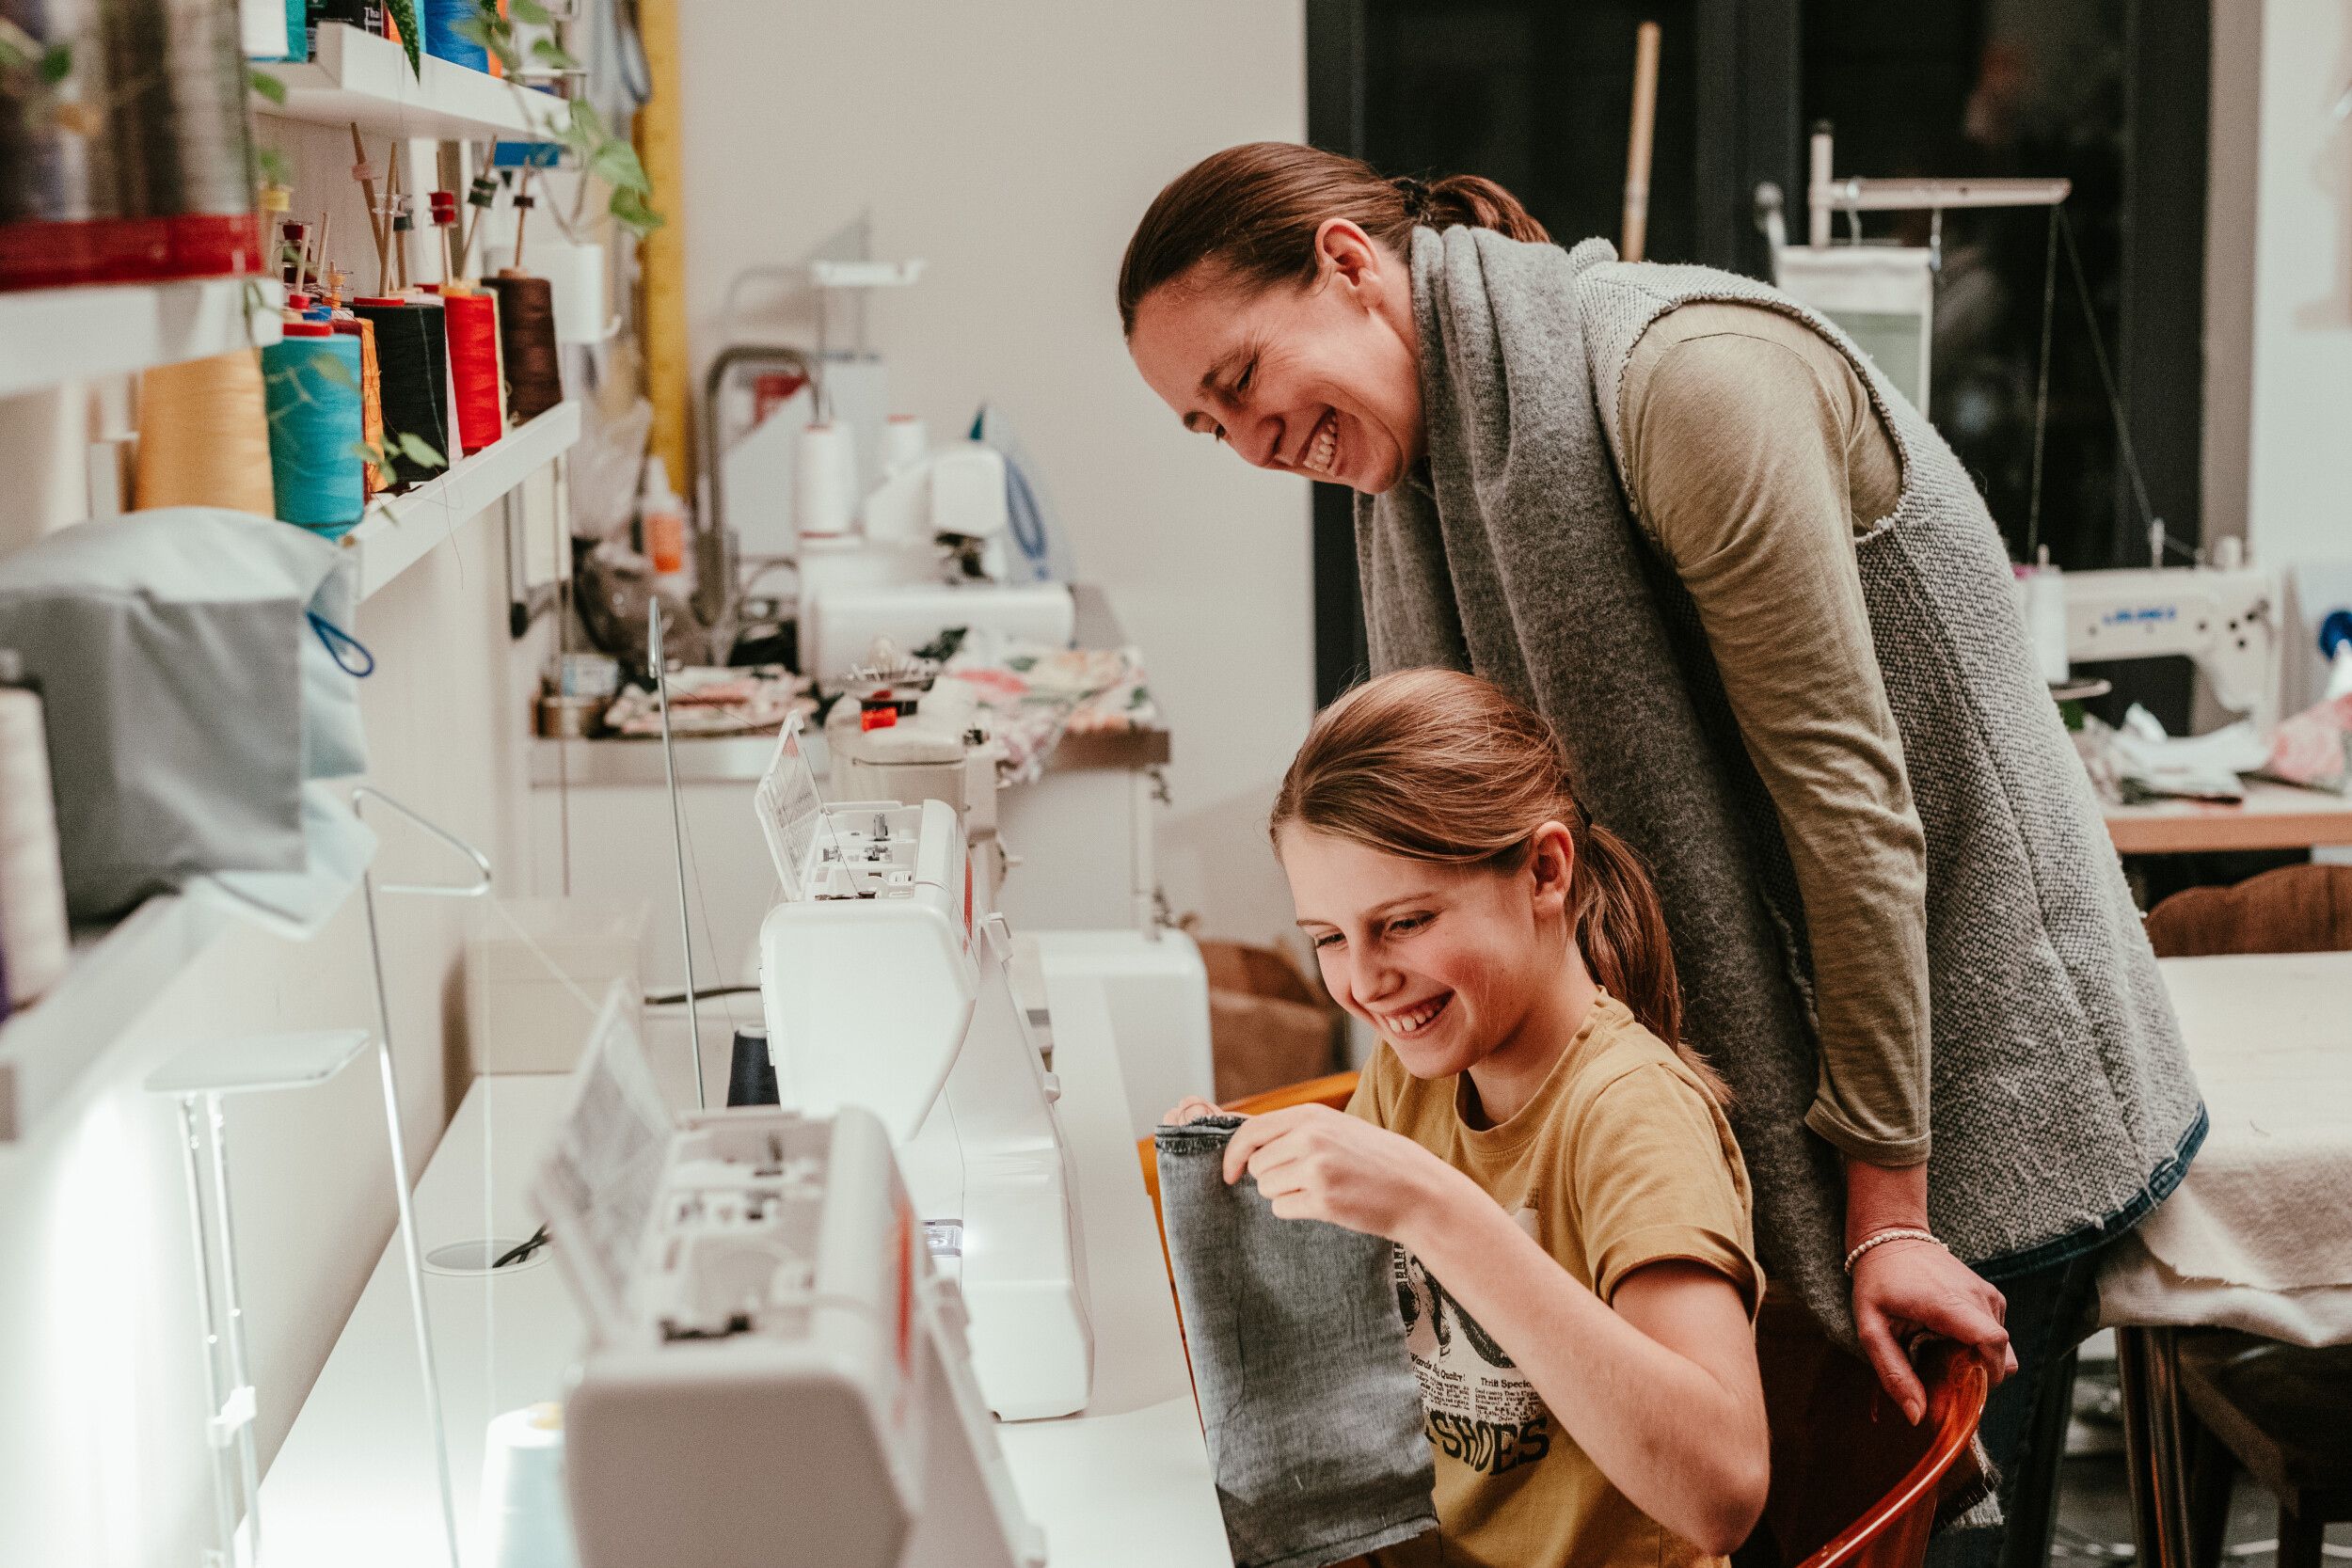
[[928, 556], [885, 984], [792, 1385], [897, 735], [2225, 617]]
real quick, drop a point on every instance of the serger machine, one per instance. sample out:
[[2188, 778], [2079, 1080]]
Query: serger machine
[[897, 734], [887, 986], [779, 1378]]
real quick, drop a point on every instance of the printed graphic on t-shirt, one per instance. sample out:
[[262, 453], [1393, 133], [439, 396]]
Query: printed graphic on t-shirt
[[1480, 1407]]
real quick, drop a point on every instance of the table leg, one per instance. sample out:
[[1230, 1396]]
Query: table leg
[[2153, 1456]]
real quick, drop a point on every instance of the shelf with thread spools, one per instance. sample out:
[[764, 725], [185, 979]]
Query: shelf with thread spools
[[51, 335], [400, 530], [357, 78]]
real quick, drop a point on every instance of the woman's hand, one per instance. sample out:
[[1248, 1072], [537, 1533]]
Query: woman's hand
[[1903, 1287], [1317, 1163]]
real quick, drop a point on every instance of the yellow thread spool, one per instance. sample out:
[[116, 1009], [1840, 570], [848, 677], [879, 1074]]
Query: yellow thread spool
[[204, 435]]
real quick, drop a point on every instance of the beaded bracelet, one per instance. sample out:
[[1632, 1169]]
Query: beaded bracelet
[[1903, 1234]]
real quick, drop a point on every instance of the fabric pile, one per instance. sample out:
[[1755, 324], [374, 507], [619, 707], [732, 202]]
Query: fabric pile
[[715, 702], [1035, 695]]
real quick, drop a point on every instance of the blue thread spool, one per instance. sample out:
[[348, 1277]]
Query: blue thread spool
[[315, 420], [439, 19]]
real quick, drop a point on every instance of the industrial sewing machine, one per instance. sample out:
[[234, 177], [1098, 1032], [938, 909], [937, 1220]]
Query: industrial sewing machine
[[885, 983], [2226, 617], [779, 1377]]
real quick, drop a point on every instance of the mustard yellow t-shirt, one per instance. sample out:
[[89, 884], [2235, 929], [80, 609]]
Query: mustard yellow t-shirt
[[1620, 1160]]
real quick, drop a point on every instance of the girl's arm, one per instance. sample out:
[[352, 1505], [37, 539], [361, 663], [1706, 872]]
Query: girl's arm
[[1662, 1390]]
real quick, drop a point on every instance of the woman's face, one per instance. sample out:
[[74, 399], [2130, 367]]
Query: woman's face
[[1322, 380], [1450, 963]]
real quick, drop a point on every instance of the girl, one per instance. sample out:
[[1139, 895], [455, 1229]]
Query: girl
[[1574, 1257]]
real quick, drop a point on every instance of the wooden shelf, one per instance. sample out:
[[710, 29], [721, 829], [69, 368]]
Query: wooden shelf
[[53, 335], [399, 532], [45, 1048], [358, 78]]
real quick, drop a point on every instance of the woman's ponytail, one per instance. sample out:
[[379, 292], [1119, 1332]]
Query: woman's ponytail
[[1433, 765], [1255, 211]]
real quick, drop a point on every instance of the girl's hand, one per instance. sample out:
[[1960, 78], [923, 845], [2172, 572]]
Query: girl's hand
[[1191, 1108], [1317, 1163]]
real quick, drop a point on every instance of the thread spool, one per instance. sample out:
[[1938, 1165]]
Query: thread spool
[[315, 423], [412, 360], [824, 481], [474, 367], [371, 394], [576, 277], [526, 333], [905, 438], [439, 20], [204, 435], [140, 172], [35, 937], [526, 1520]]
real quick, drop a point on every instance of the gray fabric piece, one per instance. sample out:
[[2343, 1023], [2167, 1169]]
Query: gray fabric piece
[[2062, 1105], [1314, 1420], [187, 694]]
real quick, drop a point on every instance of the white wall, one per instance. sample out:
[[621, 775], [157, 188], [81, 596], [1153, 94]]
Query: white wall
[[1014, 148], [2300, 495]]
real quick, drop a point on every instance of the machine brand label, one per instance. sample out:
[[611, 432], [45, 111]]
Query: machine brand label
[[2140, 615]]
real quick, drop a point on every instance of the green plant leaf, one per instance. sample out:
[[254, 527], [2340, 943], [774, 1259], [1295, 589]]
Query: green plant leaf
[[57, 65], [267, 86], [530, 12], [615, 162], [421, 452], [551, 52], [404, 15], [273, 165], [586, 122], [333, 370], [18, 48], [629, 208]]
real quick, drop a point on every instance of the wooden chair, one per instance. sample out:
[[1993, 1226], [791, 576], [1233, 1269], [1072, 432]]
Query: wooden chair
[[2278, 1409], [2296, 908], [1853, 1484]]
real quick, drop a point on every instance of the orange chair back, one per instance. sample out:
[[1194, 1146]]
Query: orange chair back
[[1855, 1486]]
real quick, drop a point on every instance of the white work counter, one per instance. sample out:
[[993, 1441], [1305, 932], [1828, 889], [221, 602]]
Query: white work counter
[[1125, 1482]]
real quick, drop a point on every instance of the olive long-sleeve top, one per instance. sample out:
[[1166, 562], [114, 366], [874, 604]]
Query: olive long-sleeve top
[[1754, 460]]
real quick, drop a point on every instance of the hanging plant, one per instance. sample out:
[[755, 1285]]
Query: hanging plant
[[582, 133]]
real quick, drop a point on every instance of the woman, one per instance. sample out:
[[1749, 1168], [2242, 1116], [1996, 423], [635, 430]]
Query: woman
[[1574, 1251], [1687, 521]]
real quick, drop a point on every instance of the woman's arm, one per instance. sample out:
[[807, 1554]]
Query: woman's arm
[[1745, 450], [1661, 1392]]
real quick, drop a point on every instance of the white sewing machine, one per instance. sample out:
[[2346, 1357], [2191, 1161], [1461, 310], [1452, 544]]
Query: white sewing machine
[[910, 738], [778, 1376], [928, 556], [2225, 617], [885, 985]]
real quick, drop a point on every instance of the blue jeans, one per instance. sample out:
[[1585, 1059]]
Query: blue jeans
[[2047, 1312]]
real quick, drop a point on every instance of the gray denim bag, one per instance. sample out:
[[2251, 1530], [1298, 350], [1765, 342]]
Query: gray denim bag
[[1306, 1391]]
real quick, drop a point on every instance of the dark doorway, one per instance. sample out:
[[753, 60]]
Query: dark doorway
[[2109, 93]]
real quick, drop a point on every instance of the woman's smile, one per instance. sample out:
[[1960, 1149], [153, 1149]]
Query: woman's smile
[[1319, 455]]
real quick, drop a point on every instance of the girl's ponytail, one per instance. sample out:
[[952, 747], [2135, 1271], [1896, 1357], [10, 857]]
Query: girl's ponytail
[[1433, 765]]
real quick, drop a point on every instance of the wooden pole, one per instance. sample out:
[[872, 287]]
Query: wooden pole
[[661, 255], [367, 188], [1637, 155]]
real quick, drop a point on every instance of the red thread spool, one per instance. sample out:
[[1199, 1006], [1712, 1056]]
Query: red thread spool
[[474, 363], [444, 209]]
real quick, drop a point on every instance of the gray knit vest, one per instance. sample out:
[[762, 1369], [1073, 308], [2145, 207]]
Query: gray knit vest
[[2062, 1105]]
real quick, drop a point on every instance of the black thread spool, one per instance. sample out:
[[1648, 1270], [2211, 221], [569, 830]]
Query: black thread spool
[[534, 374], [751, 1076], [412, 360]]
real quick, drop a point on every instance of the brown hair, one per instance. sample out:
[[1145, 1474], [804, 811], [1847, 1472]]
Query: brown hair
[[1433, 765], [1254, 210]]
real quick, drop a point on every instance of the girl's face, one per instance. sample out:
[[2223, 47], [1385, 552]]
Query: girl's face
[[1323, 381], [1451, 964]]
